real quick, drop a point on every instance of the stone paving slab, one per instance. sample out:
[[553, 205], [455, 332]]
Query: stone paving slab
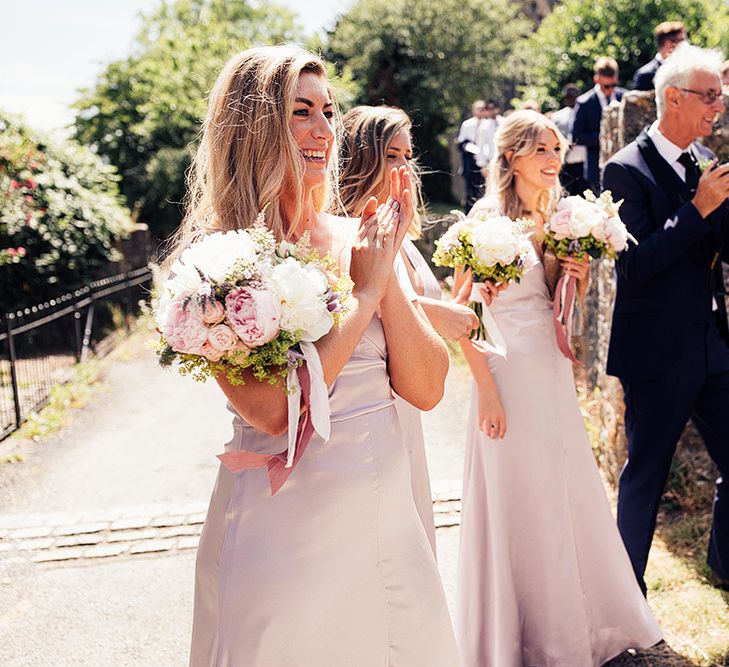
[[129, 531]]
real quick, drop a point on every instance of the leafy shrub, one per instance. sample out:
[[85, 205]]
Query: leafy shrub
[[60, 215]]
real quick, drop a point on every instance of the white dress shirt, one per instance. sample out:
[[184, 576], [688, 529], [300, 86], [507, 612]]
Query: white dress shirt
[[564, 120], [485, 140], [604, 101], [669, 151], [468, 130]]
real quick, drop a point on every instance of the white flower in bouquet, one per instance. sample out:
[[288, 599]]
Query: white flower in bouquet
[[185, 280], [617, 234], [495, 242], [220, 253], [302, 288]]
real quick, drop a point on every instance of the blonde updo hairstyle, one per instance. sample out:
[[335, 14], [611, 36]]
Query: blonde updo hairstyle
[[367, 133], [247, 156], [518, 136]]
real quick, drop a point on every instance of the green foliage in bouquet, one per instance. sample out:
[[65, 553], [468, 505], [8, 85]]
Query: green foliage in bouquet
[[268, 363], [577, 247], [60, 215]]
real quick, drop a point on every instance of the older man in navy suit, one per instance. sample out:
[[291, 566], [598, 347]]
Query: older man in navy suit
[[588, 114], [670, 341]]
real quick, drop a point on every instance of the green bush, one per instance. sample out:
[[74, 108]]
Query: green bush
[[569, 40], [60, 215], [432, 59]]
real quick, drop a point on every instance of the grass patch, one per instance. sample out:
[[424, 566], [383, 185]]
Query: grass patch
[[65, 397], [694, 614]]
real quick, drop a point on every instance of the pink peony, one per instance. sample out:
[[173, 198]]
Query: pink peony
[[222, 337], [184, 329], [213, 312], [210, 352], [253, 314], [559, 224]]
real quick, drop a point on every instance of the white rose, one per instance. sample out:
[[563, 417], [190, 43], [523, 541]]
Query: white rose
[[583, 219], [215, 254], [185, 280], [301, 289], [495, 241], [617, 233]]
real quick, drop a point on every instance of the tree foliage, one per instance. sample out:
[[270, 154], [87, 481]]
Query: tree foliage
[[430, 58], [60, 215], [143, 114], [569, 40]]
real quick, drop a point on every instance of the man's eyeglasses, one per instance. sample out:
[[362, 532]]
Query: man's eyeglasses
[[608, 86], [707, 96]]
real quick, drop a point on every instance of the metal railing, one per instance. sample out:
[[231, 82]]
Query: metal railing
[[40, 345]]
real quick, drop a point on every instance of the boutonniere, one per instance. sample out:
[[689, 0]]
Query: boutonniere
[[704, 163]]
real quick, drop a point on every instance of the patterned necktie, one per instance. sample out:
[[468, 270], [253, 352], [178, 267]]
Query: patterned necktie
[[693, 173]]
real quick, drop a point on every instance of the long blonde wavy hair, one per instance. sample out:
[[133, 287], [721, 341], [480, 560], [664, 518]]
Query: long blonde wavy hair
[[247, 157], [367, 133], [518, 136]]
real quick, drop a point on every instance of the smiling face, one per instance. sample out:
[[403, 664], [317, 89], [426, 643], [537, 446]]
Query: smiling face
[[540, 171], [696, 116], [312, 126], [399, 153]]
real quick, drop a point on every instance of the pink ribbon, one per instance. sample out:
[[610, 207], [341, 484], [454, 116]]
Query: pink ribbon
[[564, 310], [278, 473]]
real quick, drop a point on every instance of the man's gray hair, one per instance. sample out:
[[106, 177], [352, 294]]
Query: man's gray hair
[[679, 67]]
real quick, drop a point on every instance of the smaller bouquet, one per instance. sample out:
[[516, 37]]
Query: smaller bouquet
[[495, 248], [587, 224], [581, 225], [241, 300]]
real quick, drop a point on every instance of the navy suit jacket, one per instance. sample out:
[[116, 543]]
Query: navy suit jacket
[[665, 284], [586, 131], [643, 78]]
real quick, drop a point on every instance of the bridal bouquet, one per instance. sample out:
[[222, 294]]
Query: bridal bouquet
[[581, 225], [241, 300], [495, 248], [589, 225]]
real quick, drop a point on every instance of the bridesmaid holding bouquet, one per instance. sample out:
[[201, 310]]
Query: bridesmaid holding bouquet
[[377, 140], [333, 568], [544, 579]]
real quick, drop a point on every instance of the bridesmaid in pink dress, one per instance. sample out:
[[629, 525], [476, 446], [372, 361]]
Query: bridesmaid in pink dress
[[376, 139], [335, 569], [544, 579]]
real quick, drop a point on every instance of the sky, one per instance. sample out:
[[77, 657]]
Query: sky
[[49, 52]]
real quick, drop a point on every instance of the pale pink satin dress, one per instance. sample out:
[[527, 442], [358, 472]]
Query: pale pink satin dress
[[544, 579], [410, 419], [336, 569]]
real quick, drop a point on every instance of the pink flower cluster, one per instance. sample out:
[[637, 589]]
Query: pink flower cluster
[[577, 218], [249, 318]]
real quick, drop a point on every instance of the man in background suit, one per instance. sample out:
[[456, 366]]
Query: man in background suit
[[588, 114], [669, 343], [573, 168], [468, 147], [669, 35]]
